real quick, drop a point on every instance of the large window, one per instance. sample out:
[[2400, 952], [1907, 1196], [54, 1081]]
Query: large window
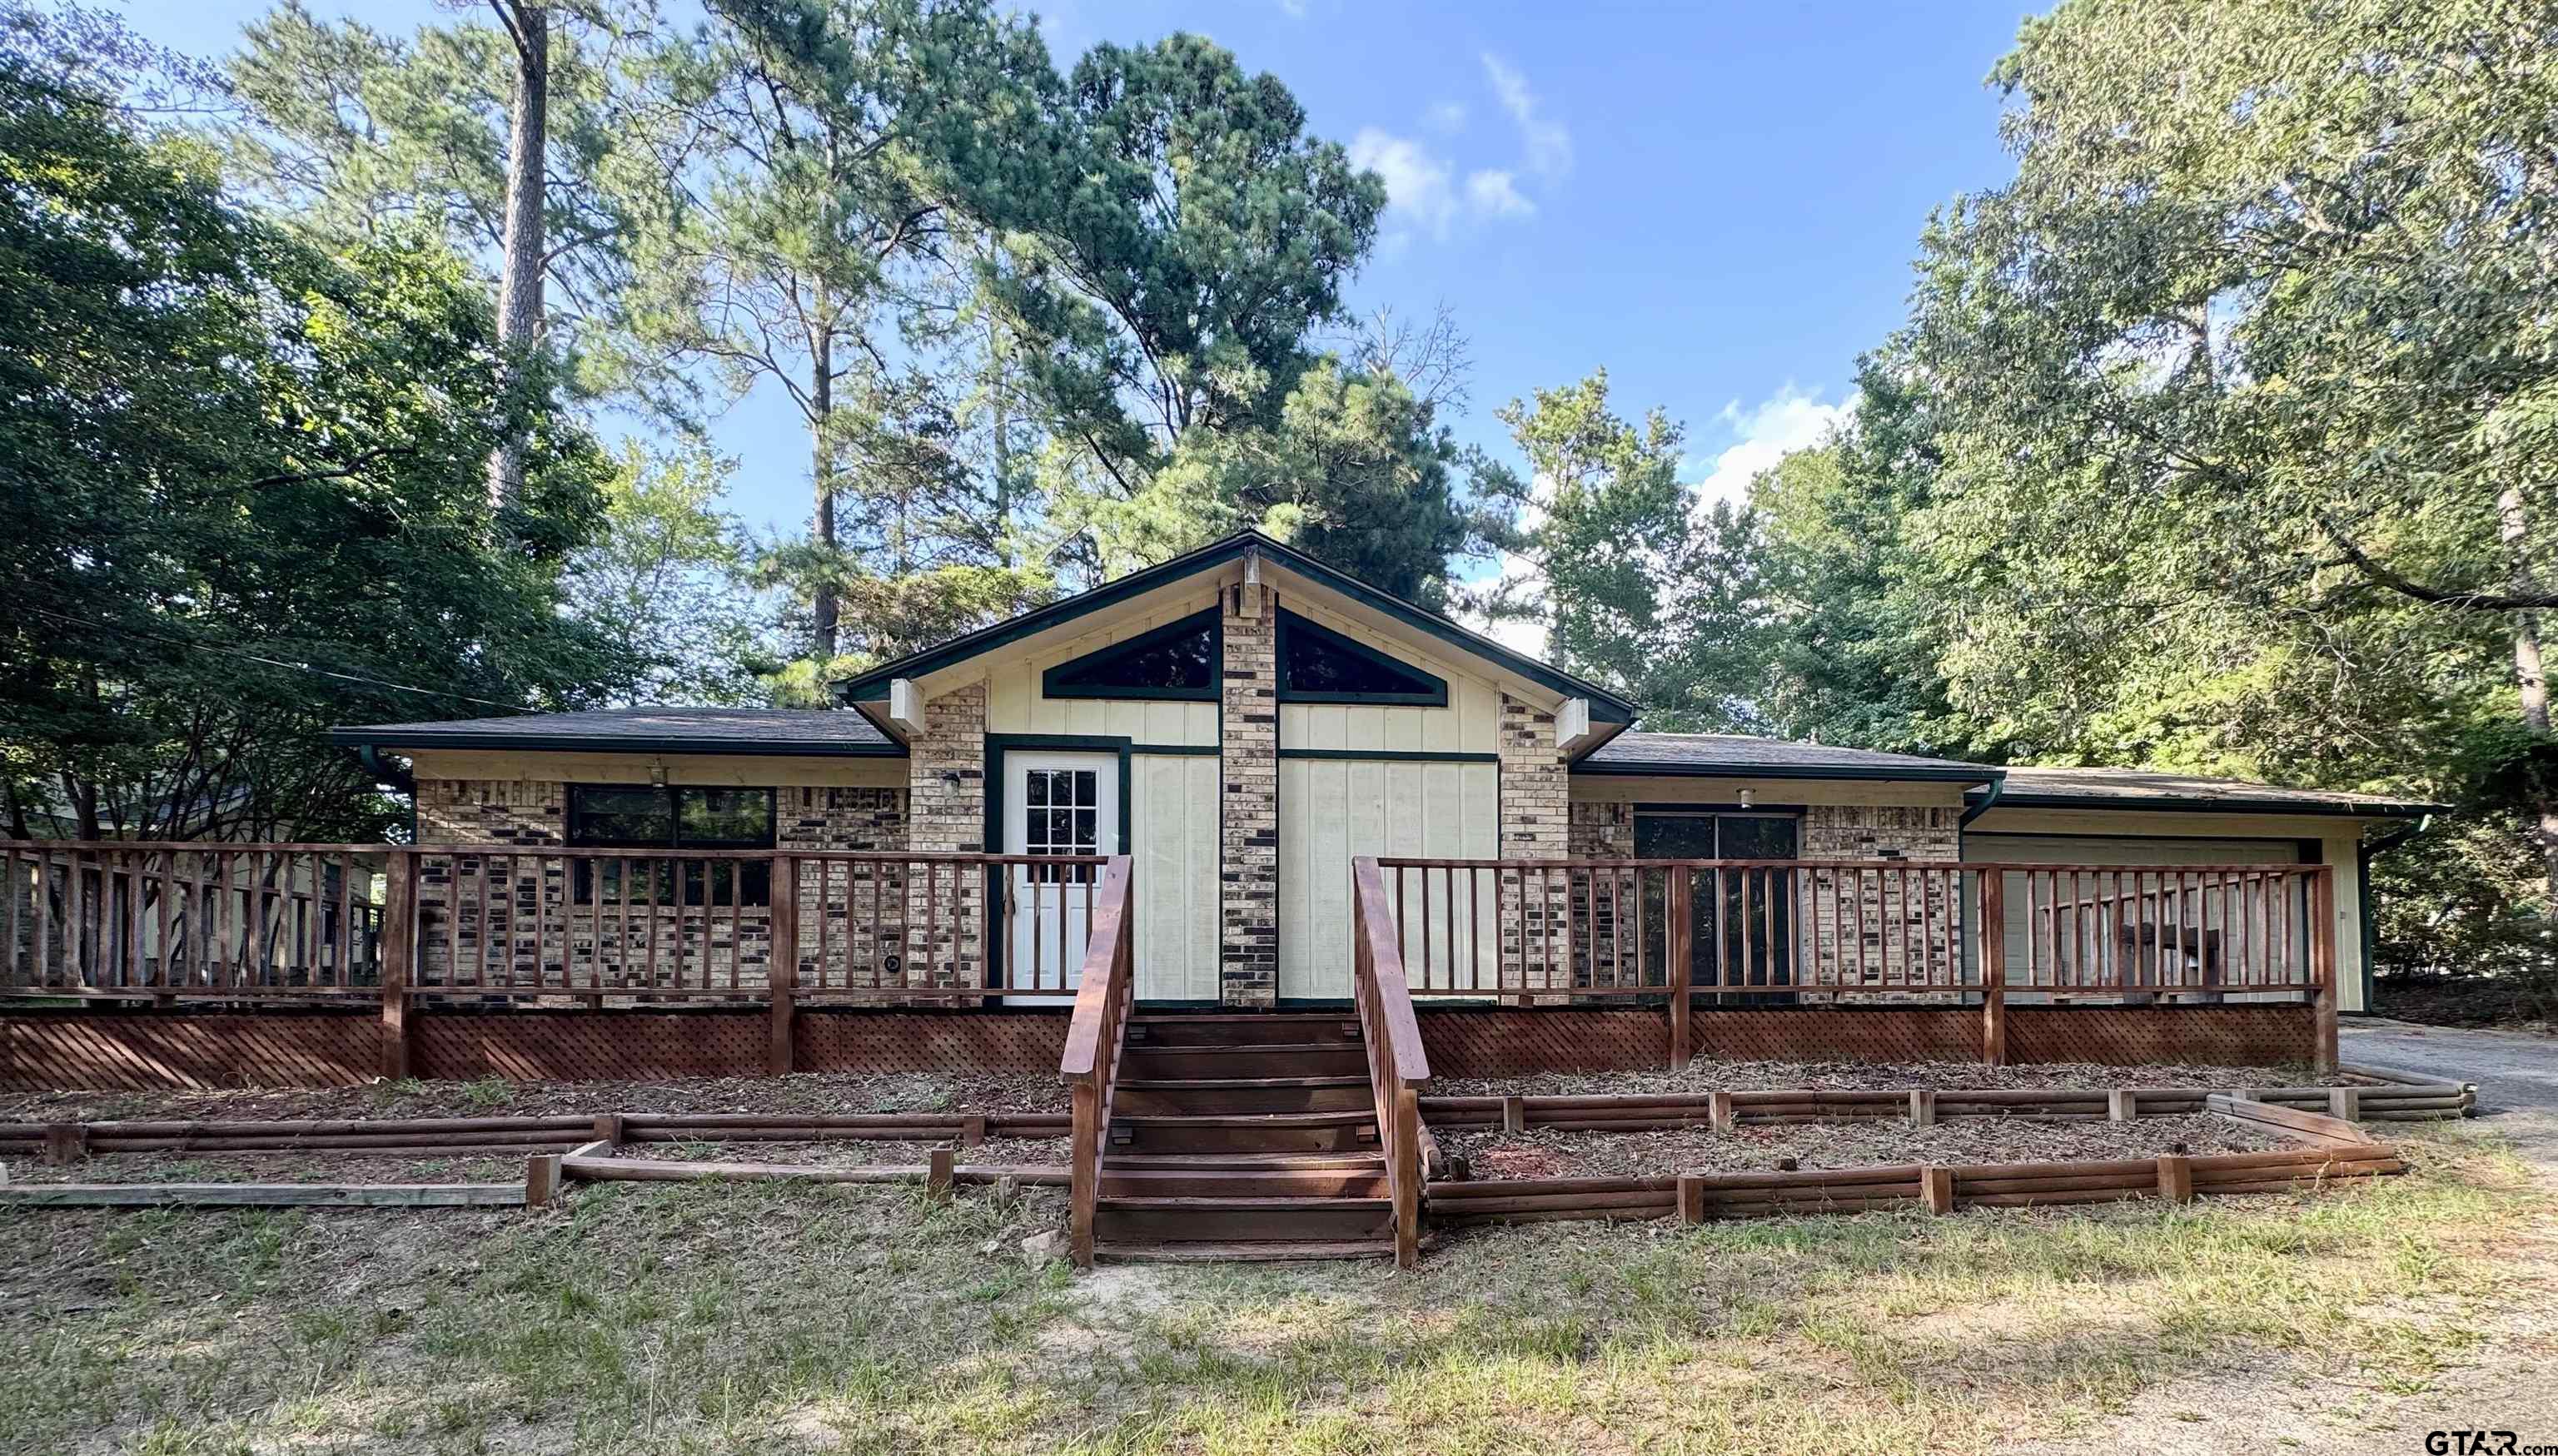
[[1746, 934], [1177, 661], [1320, 665], [673, 817]]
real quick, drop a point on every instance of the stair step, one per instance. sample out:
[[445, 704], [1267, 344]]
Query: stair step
[[1340, 1092], [1257, 1252], [1224, 1219], [1259, 1162], [1245, 1028], [1148, 1061], [1170, 1132], [1186, 1182]]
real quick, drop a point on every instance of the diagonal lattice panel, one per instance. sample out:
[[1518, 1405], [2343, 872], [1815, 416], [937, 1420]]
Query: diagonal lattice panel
[[2124, 1036], [115, 1051]]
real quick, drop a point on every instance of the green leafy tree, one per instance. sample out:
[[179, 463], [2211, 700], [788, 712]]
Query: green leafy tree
[[666, 575], [1168, 259], [240, 490]]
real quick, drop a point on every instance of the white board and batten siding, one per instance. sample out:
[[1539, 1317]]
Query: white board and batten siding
[[1174, 845], [1331, 810], [1172, 798]]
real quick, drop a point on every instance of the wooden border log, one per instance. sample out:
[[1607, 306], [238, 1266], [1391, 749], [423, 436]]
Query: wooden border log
[[938, 1171], [1460, 1191], [1937, 1189], [262, 1195], [1538, 1216], [672, 1170], [542, 1179], [2312, 1126], [1922, 1108], [329, 1127], [2119, 1194], [404, 1142], [66, 1142]]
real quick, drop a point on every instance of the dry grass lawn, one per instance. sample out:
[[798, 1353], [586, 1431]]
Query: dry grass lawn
[[747, 1318]]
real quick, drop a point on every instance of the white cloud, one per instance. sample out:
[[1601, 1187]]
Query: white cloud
[[1548, 142], [1421, 190], [1447, 118], [1495, 195], [1294, 9], [1766, 432]]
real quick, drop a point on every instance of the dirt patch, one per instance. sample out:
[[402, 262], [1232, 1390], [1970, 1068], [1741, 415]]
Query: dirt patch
[[1718, 1076], [1548, 1154], [817, 1094]]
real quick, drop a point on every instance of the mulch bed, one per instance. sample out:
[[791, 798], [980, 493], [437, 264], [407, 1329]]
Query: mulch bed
[[1548, 1154], [817, 1094], [1711, 1076], [272, 1167]]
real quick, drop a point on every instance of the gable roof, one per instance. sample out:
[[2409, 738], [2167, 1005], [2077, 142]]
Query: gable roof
[[872, 686], [1736, 756], [775, 730], [2132, 788]]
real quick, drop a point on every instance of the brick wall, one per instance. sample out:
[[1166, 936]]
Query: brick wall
[[1248, 807], [1894, 929], [535, 920]]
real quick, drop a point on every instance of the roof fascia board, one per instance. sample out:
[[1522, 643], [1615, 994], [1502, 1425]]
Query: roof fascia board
[[928, 667], [619, 744], [2016, 799], [1797, 771]]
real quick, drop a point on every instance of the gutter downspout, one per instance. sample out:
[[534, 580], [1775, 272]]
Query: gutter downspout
[[1972, 812], [2365, 851]]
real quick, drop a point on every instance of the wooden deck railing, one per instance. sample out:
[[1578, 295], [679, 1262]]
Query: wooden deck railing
[[1749, 932], [405, 925], [1093, 1039], [1398, 1066]]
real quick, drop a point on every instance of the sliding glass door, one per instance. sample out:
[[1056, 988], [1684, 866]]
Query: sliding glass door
[[1751, 922]]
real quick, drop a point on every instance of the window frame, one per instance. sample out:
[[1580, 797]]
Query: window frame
[[1053, 684], [1290, 624], [693, 890]]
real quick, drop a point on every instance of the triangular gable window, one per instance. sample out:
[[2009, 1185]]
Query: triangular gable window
[[1320, 665], [1175, 661]]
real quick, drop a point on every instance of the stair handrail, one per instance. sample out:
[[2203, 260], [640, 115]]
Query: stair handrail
[[1398, 1066], [1093, 1039]]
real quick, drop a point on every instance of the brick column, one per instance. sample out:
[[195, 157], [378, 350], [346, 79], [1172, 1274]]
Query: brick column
[[1248, 826], [946, 792], [1535, 824]]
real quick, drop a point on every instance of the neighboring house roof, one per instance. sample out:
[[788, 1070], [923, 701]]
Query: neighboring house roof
[[1735, 755], [872, 686], [2130, 788], [640, 730]]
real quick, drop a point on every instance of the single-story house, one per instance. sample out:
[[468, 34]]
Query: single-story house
[[1242, 721]]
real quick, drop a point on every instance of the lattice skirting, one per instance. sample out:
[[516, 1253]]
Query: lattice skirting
[[2127, 1036], [142, 1051], [100, 1050], [110, 1050]]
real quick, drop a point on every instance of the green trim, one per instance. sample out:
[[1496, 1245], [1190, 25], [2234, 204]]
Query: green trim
[[997, 745], [1176, 750], [872, 686], [1956, 775], [2390, 810], [1290, 624], [1212, 619], [1387, 756], [617, 743]]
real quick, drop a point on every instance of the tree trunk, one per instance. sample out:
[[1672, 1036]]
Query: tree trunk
[[2532, 682], [826, 606], [519, 277]]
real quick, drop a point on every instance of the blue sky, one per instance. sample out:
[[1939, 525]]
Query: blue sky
[[1716, 202]]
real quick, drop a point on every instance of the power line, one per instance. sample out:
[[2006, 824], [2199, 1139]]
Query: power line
[[343, 677]]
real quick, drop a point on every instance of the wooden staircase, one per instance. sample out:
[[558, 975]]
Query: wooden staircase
[[1242, 1135]]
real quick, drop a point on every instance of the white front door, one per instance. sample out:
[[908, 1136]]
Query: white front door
[[1055, 803]]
